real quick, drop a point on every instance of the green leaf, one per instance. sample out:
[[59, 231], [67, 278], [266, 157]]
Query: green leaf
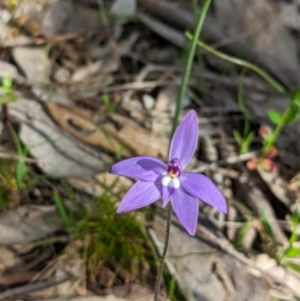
[[294, 111], [21, 173], [295, 222], [11, 96], [293, 252], [293, 114], [62, 211], [7, 82], [237, 242], [295, 218], [247, 142], [267, 224], [107, 102], [295, 106], [268, 136], [242, 207], [275, 116], [237, 136], [295, 96], [21, 170]]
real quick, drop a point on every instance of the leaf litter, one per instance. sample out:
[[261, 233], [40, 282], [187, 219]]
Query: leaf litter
[[91, 90]]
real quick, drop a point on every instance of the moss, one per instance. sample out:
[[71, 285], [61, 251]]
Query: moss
[[120, 238], [114, 242], [8, 187]]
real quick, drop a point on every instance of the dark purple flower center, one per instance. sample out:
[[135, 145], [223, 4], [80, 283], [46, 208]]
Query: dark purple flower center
[[174, 168]]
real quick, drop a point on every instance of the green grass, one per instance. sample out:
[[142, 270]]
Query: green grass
[[108, 235], [245, 64], [7, 86], [290, 115], [244, 140], [8, 186], [13, 173], [284, 255], [21, 171], [119, 236]]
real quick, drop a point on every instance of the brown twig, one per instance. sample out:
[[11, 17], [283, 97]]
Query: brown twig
[[29, 288], [225, 246]]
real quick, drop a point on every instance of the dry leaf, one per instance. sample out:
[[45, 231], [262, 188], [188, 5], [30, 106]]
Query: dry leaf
[[58, 154], [139, 140], [83, 129], [19, 225], [8, 259]]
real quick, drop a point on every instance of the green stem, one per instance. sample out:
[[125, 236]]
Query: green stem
[[182, 91], [271, 141], [189, 62], [266, 76], [164, 253], [242, 105]]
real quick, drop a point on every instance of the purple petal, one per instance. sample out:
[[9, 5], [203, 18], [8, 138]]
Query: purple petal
[[143, 168], [166, 193], [203, 188], [186, 208], [139, 195], [185, 139]]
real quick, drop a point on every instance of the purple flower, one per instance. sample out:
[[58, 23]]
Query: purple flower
[[157, 180]]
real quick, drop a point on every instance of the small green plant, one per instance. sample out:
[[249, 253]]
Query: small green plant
[[250, 216], [240, 62], [117, 236], [290, 115], [240, 235], [267, 236], [8, 187], [66, 217], [244, 141], [287, 257], [14, 174], [108, 103], [174, 292], [109, 236], [21, 172], [7, 87]]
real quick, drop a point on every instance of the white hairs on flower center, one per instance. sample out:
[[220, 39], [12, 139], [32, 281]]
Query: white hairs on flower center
[[170, 182]]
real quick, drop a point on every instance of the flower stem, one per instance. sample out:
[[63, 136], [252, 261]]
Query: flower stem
[[164, 253], [271, 141], [189, 62], [182, 91], [265, 75]]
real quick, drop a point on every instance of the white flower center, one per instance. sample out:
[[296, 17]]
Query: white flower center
[[170, 182]]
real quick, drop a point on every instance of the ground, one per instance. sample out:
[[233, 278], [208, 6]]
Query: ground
[[86, 83]]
